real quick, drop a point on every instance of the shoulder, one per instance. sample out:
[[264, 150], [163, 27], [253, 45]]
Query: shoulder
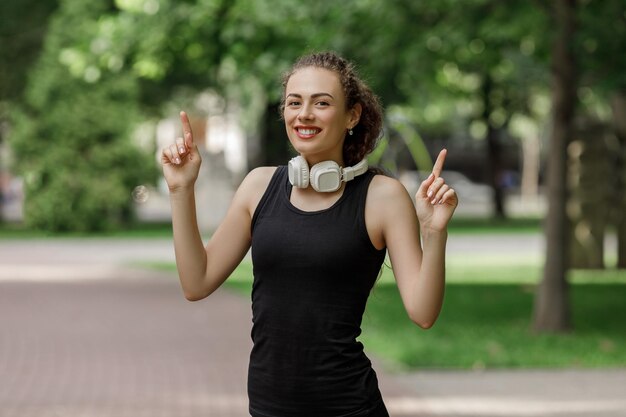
[[388, 199], [388, 205], [384, 188], [253, 187], [258, 177]]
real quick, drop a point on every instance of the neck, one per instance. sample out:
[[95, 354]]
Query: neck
[[314, 159]]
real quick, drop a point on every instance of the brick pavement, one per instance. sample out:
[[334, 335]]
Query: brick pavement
[[128, 346], [120, 347]]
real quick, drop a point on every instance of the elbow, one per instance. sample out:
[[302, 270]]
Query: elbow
[[423, 322], [195, 288], [424, 325], [195, 295]]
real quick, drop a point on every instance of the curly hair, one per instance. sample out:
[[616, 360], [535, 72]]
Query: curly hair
[[368, 130]]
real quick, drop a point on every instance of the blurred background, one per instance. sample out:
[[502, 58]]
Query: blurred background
[[529, 97]]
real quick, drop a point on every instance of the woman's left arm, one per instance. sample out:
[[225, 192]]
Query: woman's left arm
[[418, 267]]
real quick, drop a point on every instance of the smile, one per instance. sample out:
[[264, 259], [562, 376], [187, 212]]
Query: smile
[[307, 132]]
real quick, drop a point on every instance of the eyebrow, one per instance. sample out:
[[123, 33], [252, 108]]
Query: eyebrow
[[316, 95]]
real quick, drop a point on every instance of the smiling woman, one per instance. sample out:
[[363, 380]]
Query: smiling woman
[[353, 94], [319, 229], [316, 115]]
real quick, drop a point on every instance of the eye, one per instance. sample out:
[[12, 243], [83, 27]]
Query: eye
[[323, 103], [293, 103]]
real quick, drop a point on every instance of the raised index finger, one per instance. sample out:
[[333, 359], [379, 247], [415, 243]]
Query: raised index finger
[[187, 134], [438, 167]]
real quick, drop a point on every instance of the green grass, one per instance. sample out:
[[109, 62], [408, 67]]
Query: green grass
[[489, 326], [140, 230], [164, 229], [486, 320], [474, 225]]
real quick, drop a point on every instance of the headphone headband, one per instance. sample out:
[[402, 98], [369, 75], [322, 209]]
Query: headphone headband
[[349, 173]]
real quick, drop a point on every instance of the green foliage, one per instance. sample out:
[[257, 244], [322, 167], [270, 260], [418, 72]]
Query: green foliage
[[450, 67], [22, 28], [600, 45], [71, 138]]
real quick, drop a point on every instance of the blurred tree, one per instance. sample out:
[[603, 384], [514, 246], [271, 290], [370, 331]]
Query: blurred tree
[[551, 311], [233, 48], [447, 67], [456, 64], [23, 24], [590, 183], [618, 104], [72, 135], [603, 86], [250, 42]]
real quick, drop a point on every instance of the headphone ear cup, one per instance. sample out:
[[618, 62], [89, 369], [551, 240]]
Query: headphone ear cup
[[325, 176], [298, 171]]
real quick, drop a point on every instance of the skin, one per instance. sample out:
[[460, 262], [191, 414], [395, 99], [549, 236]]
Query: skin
[[316, 121]]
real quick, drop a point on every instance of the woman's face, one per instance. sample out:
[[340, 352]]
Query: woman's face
[[315, 114]]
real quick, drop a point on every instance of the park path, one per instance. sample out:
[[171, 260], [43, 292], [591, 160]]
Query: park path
[[86, 332]]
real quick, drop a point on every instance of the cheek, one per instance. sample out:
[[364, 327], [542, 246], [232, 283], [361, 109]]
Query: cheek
[[289, 115]]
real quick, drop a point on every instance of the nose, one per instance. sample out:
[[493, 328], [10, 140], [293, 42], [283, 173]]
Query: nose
[[305, 113]]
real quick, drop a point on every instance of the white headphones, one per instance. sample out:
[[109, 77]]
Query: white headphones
[[324, 177]]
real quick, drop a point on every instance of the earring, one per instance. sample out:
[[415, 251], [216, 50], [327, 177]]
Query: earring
[[350, 132]]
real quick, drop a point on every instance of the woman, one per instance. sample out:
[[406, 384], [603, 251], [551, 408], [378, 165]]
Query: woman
[[318, 234]]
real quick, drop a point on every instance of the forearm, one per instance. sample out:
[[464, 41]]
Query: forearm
[[191, 258], [429, 288]]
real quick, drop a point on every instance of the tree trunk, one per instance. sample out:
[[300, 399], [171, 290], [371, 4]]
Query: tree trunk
[[4, 164], [530, 169], [494, 151], [551, 310], [2, 182], [618, 105], [275, 147], [590, 186]]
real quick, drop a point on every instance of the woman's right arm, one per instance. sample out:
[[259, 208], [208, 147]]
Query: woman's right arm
[[203, 269]]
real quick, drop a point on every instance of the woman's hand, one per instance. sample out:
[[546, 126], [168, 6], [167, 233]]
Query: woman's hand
[[181, 160], [435, 201]]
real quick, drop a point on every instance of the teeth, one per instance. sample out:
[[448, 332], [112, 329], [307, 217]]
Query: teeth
[[307, 131]]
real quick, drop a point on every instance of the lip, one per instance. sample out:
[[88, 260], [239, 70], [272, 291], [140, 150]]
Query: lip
[[299, 128]]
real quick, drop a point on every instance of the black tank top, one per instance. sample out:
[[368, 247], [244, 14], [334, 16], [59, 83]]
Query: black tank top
[[313, 272]]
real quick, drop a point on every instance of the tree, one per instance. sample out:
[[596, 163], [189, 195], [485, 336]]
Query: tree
[[456, 64], [551, 311], [603, 92], [22, 28], [72, 135], [618, 105]]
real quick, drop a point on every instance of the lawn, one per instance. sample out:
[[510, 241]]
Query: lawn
[[486, 320], [164, 229], [139, 231]]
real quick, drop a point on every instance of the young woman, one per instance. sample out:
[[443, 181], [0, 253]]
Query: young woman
[[319, 229]]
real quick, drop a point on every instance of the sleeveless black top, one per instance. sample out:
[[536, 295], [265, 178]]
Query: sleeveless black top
[[313, 272]]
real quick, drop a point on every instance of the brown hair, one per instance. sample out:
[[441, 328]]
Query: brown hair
[[368, 129]]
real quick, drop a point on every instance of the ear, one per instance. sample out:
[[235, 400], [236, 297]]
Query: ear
[[355, 115]]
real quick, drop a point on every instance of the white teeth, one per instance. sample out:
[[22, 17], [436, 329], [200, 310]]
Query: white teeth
[[307, 131]]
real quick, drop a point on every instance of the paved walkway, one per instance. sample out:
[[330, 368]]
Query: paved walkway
[[83, 334]]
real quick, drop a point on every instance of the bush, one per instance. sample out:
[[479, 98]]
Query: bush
[[72, 137]]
